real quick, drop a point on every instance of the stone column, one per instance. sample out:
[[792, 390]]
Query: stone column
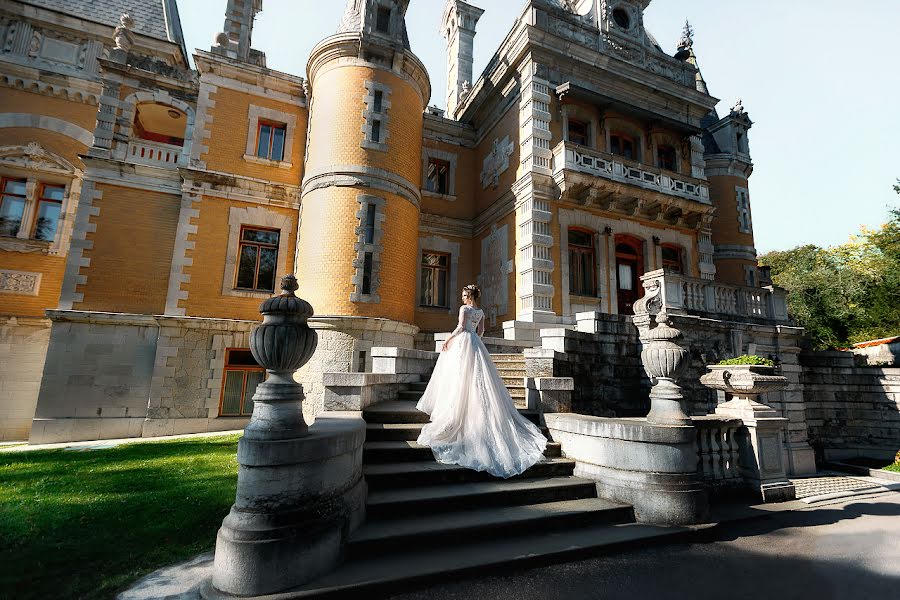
[[300, 490]]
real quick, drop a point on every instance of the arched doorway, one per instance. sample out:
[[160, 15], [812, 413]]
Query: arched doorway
[[629, 268]]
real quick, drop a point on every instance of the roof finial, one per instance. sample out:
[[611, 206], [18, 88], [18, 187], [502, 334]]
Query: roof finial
[[738, 108], [687, 37]]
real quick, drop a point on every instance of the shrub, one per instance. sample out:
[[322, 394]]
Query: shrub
[[749, 359]]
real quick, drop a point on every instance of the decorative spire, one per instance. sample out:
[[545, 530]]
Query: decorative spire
[[687, 37]]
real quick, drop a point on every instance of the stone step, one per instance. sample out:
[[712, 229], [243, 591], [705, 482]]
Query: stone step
[[388, 432], [383, 574], [517, 373], [418, 387], [508, 358], [416, 474], [394, 411], [513, 382], [394, 451], [428, 500], [413, 395], [443, 529]]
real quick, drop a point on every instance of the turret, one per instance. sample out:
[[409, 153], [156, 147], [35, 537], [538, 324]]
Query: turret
[[358, 233], [458, 28]]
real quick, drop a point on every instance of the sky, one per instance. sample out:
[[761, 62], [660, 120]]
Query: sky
[[819, 79]]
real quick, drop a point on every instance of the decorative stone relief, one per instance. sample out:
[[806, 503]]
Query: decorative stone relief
[[34, 157], [494, 273], [496, 163], [19, 282]]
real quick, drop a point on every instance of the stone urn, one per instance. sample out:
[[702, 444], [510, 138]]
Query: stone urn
[[282, 344], [665, 361], [745, 383]]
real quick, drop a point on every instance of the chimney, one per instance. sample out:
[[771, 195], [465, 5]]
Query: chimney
[[458, 28]]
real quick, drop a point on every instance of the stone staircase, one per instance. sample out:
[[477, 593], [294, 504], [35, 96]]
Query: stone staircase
[[512, 370], [415, 503]]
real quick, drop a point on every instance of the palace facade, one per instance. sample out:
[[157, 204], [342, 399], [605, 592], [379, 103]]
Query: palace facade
[[148, 207]]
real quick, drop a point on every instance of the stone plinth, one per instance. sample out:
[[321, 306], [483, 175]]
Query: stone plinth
[[358, 391], [305, 496], [550, 394], [761, 438], [398, 361], [651, 467]]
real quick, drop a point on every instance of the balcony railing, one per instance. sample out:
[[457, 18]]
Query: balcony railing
[[615, 168], [156, 154], [686, 295]]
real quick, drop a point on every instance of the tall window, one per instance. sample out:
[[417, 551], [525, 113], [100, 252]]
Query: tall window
[[12, 206], [383, 20], [367, 273], [270, 140], [242, 375], [378, 101], [438, 176], [48, 210], [578, 132], [629, 268], [370, 224], [623, 145], [376, 131], [666, 158], [258, 257], [435, 275], [581, 263], [672, 258], [743, 210]]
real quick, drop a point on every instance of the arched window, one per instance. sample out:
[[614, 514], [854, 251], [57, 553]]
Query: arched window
[[672, 258], [582, 263], [666, 158], [159, 123], [578, 132], [629, 268]]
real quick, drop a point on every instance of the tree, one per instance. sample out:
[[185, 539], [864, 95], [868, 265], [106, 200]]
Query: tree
[[847, 293]]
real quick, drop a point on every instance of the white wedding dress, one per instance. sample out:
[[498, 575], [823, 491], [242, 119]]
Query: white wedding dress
[[474, 422]]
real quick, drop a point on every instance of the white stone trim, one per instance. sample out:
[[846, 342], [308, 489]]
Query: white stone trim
[[199, 144], [75, 260], [254, 114], [369, 115], [450, 157], [79, 134], [742, 200], [189, 210], [21, 283], [436, 243], [361, 248], [605, 255], [259, 217]]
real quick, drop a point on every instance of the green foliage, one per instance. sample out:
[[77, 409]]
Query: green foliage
[[847, 293], [749, 359], [86, 524]]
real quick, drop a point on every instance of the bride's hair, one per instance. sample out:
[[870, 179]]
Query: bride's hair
[[474, 291]]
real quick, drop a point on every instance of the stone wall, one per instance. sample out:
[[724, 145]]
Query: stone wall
[[23, 348], [850, 410], [345, 346]]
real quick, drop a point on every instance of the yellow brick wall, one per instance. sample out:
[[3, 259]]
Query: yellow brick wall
[[51, 269], [335, 133], [205, 298], [725, 226], [132, 253], [228, 142], [17, 101], [325, 254]]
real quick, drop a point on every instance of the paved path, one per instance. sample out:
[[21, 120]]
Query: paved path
[[846, 550]]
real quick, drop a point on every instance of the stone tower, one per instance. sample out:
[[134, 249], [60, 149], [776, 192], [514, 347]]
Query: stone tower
[[458, 28], [357, 242], [728, 168]]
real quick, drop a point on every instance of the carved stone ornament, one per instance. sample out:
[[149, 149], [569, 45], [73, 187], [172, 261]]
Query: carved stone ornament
[[738, 108], [687, 37], [123, 36], [35, 157], [496, 163]]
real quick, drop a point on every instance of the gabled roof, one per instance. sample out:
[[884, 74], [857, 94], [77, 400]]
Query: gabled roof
[[154, 18]]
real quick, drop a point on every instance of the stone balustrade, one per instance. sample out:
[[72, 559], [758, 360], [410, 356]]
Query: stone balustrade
[[573, 157], [718, 451], [686, 295], [155, 154]]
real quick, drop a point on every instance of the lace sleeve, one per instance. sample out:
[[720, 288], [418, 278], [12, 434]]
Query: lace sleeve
[[460, 324]]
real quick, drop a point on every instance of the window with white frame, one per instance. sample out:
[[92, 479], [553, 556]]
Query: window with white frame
[[29, 215], [376, 116], [270, 136]]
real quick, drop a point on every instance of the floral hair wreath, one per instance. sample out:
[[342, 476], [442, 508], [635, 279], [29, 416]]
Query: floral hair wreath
[[473, 290]]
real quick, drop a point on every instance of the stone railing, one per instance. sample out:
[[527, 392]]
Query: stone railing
[[686, 295], [615, 168], [155, 154], [718, 451]]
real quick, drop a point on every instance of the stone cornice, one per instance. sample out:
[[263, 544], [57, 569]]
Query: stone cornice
[[355, 175], [73, 89], [220, 70], [734, 165], [190, 86], [451, 132], [352, 48]]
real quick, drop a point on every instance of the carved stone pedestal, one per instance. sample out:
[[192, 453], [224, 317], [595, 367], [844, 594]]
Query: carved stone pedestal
[[761, 437]]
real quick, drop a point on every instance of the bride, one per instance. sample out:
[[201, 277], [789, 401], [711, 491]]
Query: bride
[[474, 422]]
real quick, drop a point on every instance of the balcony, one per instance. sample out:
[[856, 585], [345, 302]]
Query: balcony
[[686, 295], [617, 184], [155, 154]]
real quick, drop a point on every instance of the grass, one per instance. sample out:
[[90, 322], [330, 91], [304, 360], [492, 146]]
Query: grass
[[894, 467], [86, 524]]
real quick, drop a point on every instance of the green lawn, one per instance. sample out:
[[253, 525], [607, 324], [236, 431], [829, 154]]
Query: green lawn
[[84, 524]]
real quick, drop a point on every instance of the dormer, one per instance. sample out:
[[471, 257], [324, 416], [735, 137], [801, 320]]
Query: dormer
[[730, 132], [378, 20]]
